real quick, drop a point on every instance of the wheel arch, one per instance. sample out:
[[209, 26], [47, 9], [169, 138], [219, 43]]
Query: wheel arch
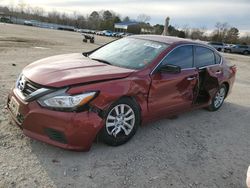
[[133, 98]]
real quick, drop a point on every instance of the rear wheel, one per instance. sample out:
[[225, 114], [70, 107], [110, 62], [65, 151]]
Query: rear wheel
[[246, 52], [218, 99], [121, 122]]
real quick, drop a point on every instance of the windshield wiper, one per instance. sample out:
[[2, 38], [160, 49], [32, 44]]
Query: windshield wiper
[[103, 61], [86, 54]]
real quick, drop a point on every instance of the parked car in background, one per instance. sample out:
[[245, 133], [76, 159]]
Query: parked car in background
[[92, 31], [115, 34], [83, 30], [107, 33], [28, 23], [124, 34], [128, 34], [68, 100], [242, 49], [121, 34], [98, 33], [219, 46], [5, 20]]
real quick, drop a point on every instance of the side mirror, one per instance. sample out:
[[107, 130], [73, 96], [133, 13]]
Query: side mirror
[[170, 69]]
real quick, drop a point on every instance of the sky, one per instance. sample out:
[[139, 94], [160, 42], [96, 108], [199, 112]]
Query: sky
[[191, 13]]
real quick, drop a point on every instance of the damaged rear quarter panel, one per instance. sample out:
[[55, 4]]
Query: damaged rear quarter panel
[[110, 91]]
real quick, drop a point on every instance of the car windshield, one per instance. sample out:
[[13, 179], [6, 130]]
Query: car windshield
[[130, 53]]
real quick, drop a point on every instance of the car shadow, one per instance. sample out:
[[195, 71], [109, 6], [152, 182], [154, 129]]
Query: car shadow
[[198, 148]]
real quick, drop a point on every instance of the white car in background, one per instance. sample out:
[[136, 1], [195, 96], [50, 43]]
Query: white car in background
[[107, 33], [219, 46], [240, 49]]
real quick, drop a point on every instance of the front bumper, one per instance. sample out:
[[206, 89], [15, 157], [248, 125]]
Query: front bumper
[[68, 130]]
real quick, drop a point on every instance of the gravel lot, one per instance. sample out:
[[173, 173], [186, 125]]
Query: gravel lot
[[197, 149]]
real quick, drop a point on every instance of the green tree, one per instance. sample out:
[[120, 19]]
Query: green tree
[[117, 19], [219, 34], [107, 15], [158, 29], [94, 20], [94, 15], [197, 34], [181, 34], [143, 18], [232, 35], [126, 19]]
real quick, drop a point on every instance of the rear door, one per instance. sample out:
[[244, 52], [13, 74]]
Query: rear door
[[237, 49], [243, 48], [206, 58], [171, 92]]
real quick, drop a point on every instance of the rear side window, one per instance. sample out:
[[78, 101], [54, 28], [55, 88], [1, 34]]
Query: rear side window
[[182, 57], [216, 43], [243, 46], [204, 57]]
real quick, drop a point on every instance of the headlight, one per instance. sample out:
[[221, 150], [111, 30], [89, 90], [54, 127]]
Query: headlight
[[61, 101]]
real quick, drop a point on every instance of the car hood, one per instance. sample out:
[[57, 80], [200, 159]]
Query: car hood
[[70, 69]]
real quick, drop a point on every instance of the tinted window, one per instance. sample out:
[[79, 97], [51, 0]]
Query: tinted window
[[204, 57], [182, 56], [217, 58], [216, 43], [243, 46]]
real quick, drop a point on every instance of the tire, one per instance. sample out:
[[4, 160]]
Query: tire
[[92, 40], [115, 131], [246, 52], [218, 99], [85, 40]]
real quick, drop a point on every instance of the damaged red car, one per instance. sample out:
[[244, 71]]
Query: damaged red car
[[68, 100]]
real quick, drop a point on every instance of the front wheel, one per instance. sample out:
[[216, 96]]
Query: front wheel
[[218, 99], [122, 121]]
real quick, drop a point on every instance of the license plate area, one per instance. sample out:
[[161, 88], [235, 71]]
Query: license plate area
[[14, 106]]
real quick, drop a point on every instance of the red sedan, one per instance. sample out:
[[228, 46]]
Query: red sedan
[[68, 100]]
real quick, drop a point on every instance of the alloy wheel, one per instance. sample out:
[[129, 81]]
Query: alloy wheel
[[120, 120], [219, 97]]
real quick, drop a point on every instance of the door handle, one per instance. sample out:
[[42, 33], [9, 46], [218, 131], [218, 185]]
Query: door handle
[[191, 78]]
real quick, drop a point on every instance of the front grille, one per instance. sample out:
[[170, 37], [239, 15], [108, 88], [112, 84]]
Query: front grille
[[26, 87], [29, 88], [55, 135]]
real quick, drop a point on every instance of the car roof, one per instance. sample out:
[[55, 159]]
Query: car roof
[[167, 39]]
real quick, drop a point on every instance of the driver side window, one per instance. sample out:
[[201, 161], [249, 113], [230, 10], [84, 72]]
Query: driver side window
[[181, 56]]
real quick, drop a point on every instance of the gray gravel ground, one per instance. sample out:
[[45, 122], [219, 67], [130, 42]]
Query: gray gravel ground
[[197, 149]]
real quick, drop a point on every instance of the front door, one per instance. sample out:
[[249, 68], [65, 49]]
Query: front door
[[170, 93], [173, 92]]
